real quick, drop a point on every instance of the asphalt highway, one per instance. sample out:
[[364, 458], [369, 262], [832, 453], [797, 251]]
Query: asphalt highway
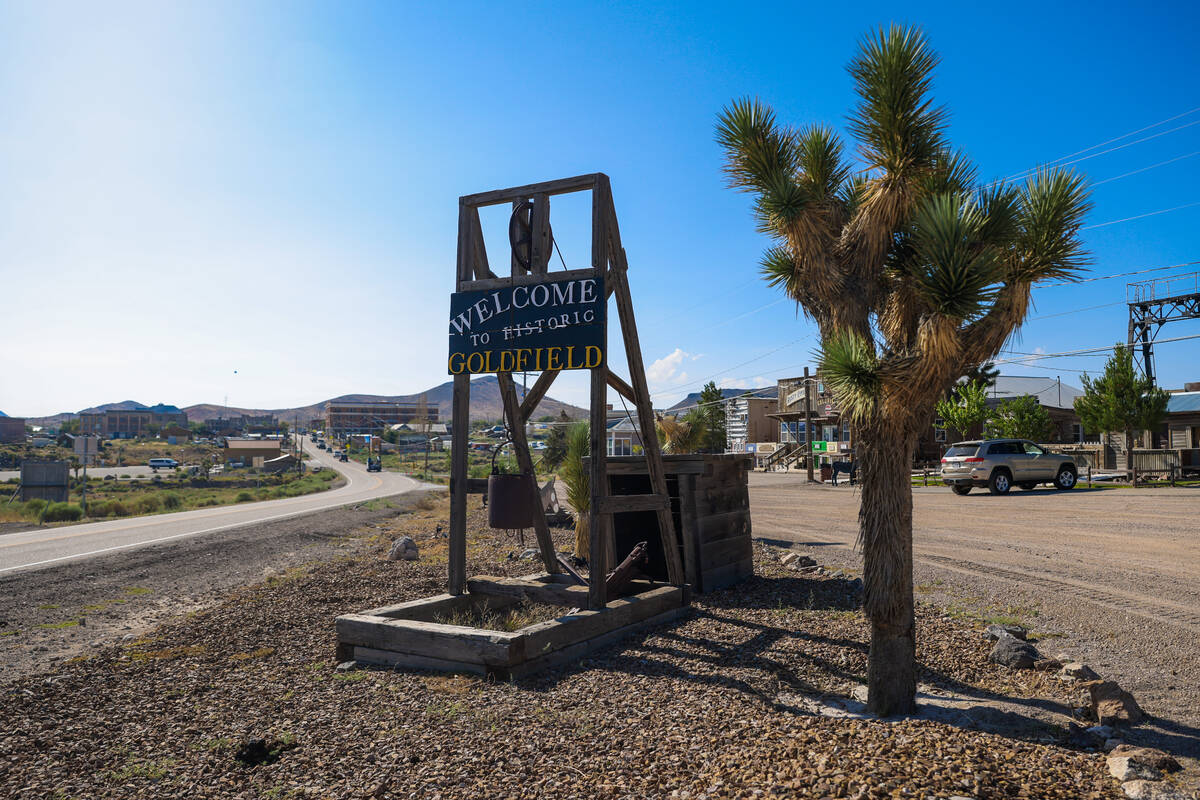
[[48, 546]]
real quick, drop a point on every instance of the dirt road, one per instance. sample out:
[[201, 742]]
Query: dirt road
[[1109, 576]]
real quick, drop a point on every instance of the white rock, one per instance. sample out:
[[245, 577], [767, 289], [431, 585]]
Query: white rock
[[403, 549], [788, 558], [1124, 768], [1153, 790]]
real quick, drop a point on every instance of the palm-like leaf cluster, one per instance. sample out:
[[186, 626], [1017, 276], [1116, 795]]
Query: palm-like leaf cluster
[[913, 272]]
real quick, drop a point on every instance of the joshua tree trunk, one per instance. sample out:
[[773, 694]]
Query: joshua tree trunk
[[885, 526]]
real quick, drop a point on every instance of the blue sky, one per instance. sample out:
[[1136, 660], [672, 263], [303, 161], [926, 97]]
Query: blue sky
[[194, 189]]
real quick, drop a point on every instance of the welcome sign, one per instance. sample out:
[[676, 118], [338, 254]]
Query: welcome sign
[[553, 325]]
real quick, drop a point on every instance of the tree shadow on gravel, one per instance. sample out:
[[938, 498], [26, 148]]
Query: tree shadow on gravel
[[785, 684]]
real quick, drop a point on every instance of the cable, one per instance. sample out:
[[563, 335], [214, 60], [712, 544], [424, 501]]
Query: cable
[[1140, 216], [1131, 133], [1144, 169], [730, 369], [1120, 274], [1077, 310]]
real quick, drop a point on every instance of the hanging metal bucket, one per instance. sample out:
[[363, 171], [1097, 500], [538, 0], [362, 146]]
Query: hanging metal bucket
[[510, 503]]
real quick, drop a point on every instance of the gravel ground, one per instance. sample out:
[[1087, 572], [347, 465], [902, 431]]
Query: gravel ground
[[243, 700], [1109, 577], [56, 613]]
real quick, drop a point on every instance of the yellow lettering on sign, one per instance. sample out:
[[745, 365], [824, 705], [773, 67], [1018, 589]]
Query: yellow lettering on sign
[[594, 357], [456, 363]]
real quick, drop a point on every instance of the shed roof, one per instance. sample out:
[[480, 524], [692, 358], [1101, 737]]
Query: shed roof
[[1183, 401], [252, 444], [1046, 389]]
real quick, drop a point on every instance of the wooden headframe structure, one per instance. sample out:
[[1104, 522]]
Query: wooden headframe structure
[[608, 263]]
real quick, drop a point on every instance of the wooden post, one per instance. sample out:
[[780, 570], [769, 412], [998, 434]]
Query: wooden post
[[461, 426], [599, 520], [808, 437], [637, 377], [512, 410]]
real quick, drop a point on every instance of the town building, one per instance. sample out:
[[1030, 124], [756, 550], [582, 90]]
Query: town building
[[251, 452], [244, 423], [345, 418], [748, 422], [12, 429], [133, 423], [1183, 425]]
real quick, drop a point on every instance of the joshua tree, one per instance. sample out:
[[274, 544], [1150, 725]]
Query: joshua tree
[[913, 273]]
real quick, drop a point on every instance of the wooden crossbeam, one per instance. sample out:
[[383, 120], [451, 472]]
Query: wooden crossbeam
[[623, 388], [620, 503], [535, 395], [578, 183], [512, 410]]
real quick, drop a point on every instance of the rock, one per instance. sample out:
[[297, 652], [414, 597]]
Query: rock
[[1124, 769], [1100, 732], [1111, 744], [1148, 756], [1112, 704], [812, 570], [1153, 790], [347, 666], [529, 554], [788, 558], [403, 549], [996, 631], [856, 585], [806, 561], [1047, 664], [1079, 672], [1011, 652], [1063, 657]]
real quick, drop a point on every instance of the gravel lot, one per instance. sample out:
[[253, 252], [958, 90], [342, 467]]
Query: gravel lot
[[1109, 576], [714, 705]]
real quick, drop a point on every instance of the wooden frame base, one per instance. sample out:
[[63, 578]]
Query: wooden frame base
[[405, 635]]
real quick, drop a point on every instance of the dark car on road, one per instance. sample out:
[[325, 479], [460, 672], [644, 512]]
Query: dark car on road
[[1000, 464], [373, 465]]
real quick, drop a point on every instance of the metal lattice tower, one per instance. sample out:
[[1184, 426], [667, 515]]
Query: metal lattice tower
[[1153, 304]]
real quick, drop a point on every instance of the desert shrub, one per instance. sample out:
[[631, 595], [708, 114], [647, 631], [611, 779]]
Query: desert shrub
[[61, 512], [149, 504], [116, 508], [210, 501], [35, 507], [244, 497], [172, 501]]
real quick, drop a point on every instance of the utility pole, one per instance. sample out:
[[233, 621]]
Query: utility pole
[[808, 459]]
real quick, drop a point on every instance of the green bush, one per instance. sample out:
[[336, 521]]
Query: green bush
[[61, 512], [172, 501], [244, 497], [116, 508], [35, 507], [148, 504], [210, 501]]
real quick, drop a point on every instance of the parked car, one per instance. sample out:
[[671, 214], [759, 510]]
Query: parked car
[[163, 463], [373, 465], [343, 457], [1000, 464]]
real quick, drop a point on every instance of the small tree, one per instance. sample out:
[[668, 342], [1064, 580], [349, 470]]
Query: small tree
[[1020, 418], [711, 416], [556, 446], [578, 480], [965, 408], [1120, 400]]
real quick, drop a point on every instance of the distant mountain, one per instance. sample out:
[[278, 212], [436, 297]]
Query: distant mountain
[[485, 404], [689, 402]]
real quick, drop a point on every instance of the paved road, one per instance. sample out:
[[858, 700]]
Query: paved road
[[1097, 546], [40, 548], [99, 472]]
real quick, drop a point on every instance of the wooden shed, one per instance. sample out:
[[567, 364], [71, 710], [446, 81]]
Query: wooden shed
[[710, 504]]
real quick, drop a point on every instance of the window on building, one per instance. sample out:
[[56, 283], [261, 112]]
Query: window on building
[[845, 431], [620, 447], [939, 434]]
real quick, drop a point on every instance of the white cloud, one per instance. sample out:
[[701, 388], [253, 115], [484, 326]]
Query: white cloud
[[755, 382], [669, 368]]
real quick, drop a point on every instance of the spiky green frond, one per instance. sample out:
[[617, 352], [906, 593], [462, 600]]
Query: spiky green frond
[[823, 169], [779, 270], [951, 172], [852, 193], [850, 368], [780, 201], [1001, 206], [899, 127], [1053, 206], [757, 151], [953, 271]]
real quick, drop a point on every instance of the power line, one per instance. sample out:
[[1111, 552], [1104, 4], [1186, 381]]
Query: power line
[[1120, 274], [1077, 310], [1144, 169], [1131, 133], [1140, 216]]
